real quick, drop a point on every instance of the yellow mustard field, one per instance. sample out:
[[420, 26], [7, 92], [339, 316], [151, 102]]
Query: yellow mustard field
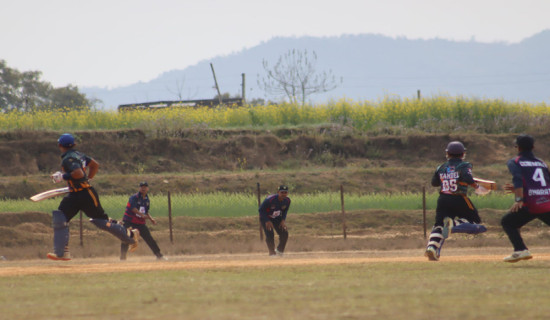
[[437, 114]]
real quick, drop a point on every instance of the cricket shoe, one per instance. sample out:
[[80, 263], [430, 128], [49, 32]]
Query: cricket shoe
[[519, 255], [134, 245], [65, 257], [432, 254], [279, 253]]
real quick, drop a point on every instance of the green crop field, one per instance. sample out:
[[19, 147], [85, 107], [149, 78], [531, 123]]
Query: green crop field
[[240, 204], [370, 290]]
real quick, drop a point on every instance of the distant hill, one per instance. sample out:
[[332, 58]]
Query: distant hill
[[372, 66]]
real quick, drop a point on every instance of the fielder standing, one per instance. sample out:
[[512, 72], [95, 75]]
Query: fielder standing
[[81, 196], [272, 217], [135, 216], [453, 178], [531, 187]]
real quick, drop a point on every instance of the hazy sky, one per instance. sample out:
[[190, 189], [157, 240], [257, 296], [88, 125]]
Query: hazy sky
[[110, 43]]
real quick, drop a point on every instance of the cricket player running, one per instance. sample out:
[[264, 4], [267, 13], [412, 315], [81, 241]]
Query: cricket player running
[[453, 178], [531, 186], [82, 196], [273, 213]]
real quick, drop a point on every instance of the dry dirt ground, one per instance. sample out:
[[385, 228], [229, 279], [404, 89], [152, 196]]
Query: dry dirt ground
[[223, 261]]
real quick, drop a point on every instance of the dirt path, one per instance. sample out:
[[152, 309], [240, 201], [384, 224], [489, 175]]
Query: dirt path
[[136, 264]]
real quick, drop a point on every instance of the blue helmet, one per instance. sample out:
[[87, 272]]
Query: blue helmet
[[66, 140]]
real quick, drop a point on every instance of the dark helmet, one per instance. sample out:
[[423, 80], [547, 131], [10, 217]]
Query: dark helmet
[[66, 140], [455, 147]]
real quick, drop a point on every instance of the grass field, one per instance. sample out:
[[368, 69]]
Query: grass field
[[287, 288], [240, 204]]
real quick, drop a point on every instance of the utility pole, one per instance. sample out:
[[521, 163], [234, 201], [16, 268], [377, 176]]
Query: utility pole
[[243, 88], [216, 82]]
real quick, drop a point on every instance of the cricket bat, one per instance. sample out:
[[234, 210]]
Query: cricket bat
[[49, 194], [487, 184]]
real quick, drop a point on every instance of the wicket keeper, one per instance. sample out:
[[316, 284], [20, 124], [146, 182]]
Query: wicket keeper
[[272, 217]]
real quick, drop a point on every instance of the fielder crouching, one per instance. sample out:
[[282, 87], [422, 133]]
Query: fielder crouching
[[273, 213], [81, 196], [453, 178]]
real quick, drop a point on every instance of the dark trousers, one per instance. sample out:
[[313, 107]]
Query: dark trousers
[[86, 200], [145, 234], [513, 221], [455, 206], [270, 236]]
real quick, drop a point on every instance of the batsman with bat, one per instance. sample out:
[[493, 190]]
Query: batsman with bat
[[453, 178], [531, 187], [81, 196]]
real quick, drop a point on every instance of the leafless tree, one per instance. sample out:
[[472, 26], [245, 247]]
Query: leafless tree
[[295, 77], [178, 90]]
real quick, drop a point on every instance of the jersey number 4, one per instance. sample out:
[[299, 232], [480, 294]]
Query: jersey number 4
[[539, 177]]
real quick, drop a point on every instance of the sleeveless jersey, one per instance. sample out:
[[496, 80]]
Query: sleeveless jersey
[[455, 175], [536, 183]]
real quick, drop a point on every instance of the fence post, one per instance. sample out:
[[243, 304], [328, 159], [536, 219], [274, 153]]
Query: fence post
[[424, 209], [259, 204], [81, 237], [343, 210], [170, 217]]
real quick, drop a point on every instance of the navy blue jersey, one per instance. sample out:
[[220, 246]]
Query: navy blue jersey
[[139, 202], [453, 177], [73, 160], [531, 174], [272, 208]]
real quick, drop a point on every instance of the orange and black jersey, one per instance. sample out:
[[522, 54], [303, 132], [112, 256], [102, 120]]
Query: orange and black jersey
[[453, 177], [73, 160]]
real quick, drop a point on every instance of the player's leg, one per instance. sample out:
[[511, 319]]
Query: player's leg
[[60, 222], [468, 220], [269, 239], [512, 223], [89, 201], [437, 237], [283, 237], [145, 234]]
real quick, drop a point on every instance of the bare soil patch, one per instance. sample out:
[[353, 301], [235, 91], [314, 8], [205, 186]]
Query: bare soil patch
[[224, 261]]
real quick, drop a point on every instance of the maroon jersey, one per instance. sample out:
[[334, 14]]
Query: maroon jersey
[[532, 174]]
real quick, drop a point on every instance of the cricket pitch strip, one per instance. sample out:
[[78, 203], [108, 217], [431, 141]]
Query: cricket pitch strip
[[253, 260]]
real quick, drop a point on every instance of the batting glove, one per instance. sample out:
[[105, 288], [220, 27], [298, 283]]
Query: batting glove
[[57, 177]]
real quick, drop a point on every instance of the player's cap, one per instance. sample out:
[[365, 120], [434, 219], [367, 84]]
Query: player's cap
[[525, 142], [66, 140], [143, 183], [283, 188], [455, 147]]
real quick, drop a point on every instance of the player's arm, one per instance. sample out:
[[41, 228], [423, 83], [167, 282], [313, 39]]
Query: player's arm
[[93, 167], [436, 182], [150, 217], [517, 185], [468, 177], [263, 211], [264, 218]]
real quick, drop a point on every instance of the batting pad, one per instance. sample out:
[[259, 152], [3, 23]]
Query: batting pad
[[60, 232], [470, 228]]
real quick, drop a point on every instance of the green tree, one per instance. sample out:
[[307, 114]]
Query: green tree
[[295, 77], [24, 91]]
